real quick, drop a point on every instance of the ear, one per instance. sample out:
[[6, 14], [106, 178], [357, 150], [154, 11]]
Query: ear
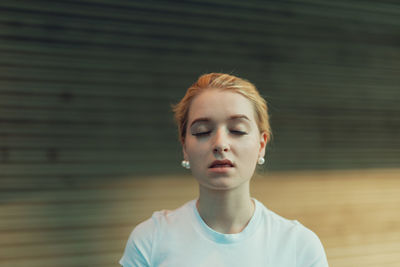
[[185, 155], [263, 143]]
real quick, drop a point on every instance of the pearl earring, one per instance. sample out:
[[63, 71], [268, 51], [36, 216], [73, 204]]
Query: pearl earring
[[261, 161], [185, 164]]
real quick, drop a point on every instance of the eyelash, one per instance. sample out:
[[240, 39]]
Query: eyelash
[[201, 134], [208, 132], [239, 132]]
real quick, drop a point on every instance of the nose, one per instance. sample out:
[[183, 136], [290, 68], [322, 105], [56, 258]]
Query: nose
[[221, 143]]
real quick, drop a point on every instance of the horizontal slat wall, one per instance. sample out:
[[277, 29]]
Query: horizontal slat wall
[[355, 214], [90, 82], [86, 88]]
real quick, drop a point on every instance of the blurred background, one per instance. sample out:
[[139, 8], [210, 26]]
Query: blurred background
[[89, 148]]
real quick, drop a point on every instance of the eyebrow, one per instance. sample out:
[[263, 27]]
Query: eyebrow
[[233, 117]]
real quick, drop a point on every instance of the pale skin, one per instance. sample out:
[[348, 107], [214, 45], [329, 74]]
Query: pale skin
[[222, 125]]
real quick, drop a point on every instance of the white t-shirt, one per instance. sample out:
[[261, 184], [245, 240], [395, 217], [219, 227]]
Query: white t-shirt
[[181, 238]]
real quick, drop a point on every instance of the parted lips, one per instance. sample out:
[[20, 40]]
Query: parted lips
[[221, 163]]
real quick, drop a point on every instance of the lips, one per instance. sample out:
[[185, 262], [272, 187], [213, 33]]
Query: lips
[[226, 163]]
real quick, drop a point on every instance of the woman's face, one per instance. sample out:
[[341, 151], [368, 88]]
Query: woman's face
[[222, 142]]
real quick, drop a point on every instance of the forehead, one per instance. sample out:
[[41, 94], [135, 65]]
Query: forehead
[[219, 105]]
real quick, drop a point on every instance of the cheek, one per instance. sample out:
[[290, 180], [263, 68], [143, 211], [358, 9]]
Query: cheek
[[195, 151], [197, 156], [247, 156], [249, 152]]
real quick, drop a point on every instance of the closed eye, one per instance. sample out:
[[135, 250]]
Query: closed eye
[[202, 134], [238, 132]]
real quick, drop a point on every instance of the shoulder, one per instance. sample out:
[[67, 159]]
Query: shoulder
[[305, 245], [138, 249], [275, 222], [159, 219], [143, 239], [309, 249]]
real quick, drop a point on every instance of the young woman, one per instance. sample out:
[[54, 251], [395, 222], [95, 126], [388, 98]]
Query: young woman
[[224, 129]]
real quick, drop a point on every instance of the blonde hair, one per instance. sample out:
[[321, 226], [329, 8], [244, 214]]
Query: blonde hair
[[224, 82]]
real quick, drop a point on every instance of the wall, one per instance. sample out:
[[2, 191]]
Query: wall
[[86, 88]]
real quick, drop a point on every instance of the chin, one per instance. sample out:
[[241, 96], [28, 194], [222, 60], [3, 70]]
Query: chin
[[221, 183]]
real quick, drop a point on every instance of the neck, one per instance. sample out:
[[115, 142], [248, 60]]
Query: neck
[[227, 211]]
